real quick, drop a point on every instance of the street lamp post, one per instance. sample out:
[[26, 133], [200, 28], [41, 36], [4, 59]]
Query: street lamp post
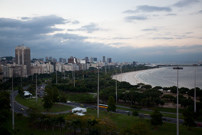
[[56, 76], [21, 76], [74, 75], [12, 102], [116, 86], [177, 68], [98, 93], [36, 87], [195, 90], [116, 89]]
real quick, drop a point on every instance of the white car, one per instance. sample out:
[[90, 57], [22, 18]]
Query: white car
[[68, 102]]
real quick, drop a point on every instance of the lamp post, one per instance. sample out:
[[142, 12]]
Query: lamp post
[[36, 87], [177, 68], [121, 73], [98, 92], [195, 89], [116, 85], [12, 102], [56, 76], [21, 76], [74, 74]]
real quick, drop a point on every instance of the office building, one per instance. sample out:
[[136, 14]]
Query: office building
[[94, 59], [86, 58], [103, 59], [109, 60], [22, 58], [47, 59], [60, 59]]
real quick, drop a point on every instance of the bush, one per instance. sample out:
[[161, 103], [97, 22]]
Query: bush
[[136, 107], [135, 113]]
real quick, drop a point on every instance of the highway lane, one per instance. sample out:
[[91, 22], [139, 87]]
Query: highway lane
[[18, 108]]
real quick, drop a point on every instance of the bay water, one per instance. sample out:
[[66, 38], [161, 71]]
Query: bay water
[[167, 77]]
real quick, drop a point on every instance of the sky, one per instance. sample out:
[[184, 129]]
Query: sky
[[124, 30]]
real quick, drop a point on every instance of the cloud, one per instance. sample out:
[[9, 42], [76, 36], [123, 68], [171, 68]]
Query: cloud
[[25, 18], [121, 38], [33, 27], [75, 22], [90, 28], [132, 18], [34, 33], [185, 3], [166, 38], [151, 29], [146, 8], [200, 12], [172, 14]]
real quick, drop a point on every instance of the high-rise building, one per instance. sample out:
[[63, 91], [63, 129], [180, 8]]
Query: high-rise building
[[50, 59], [64, 60], [54, 60], [22, 58], [103, 59], [86, 58], [109, 60], [91, 59], [47, 59], [94, 59], [60, 59]]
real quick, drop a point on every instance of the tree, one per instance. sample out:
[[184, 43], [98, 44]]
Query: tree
[[111, 104], [188, 119], [47, 99], [4, 106], [63, 97], [156, 118], [55, 94], [20, 91], [135, 113]]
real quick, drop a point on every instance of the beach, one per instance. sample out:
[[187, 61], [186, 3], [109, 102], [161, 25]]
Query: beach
[[131, 77]]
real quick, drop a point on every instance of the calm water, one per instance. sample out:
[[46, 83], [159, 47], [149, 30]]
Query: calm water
[[167, 77]]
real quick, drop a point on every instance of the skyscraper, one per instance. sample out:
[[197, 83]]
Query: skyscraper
[[109, 60], [22, 58], [103, 59]]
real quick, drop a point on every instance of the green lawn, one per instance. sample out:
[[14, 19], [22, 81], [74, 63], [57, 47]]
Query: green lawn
[[127, 121], [39, 105]]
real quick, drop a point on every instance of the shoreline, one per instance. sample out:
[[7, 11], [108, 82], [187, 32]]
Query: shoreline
[[131, 77]]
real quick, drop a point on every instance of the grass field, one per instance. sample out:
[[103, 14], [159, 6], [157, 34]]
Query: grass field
[[166, 129], [39, 105], [22, 126]]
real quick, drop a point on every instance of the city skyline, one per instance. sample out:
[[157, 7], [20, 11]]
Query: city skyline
[[144, 31]]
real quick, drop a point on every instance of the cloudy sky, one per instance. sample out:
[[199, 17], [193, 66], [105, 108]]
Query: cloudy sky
[[125, 30]]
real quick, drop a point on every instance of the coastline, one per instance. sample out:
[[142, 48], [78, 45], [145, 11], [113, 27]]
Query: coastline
[[131, 77]]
